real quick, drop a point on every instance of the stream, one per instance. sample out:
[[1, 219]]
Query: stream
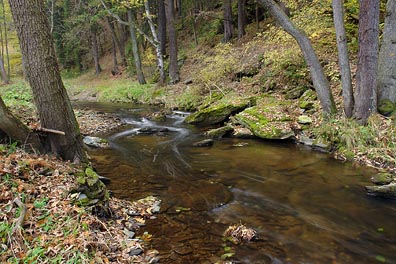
[[305, 206]]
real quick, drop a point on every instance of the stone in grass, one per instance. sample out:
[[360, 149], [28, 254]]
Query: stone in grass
[[304, 120], [135, 251], [382, 178]]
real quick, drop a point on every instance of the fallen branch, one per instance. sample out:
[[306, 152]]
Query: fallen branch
[[21, 218], [42, 129]]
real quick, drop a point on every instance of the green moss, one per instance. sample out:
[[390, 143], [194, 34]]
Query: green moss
[[386, 107], [217, 113], [267, 120]]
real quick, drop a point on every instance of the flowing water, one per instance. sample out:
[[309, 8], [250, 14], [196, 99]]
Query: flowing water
[[305, 206]]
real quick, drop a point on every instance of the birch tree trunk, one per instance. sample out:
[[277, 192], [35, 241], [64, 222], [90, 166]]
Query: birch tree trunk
[[319, 80], [343, 57], [42, 71]]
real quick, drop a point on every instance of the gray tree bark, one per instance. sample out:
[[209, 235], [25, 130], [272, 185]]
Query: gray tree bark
[[42, 71], [387, 56], [3, 72], [16, 130], [95, 52], [319, 80], [241, 18], [173, 65], [117, 41], [227, 18], [343, 57], [366, 73], [135, 49], [162, 26]]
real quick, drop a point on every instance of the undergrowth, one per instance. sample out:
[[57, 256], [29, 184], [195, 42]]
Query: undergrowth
[[373, 144]]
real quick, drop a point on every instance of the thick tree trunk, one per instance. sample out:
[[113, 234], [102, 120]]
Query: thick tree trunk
[[227, 17], [366, 73], [162, 26], [319, 80], [387, 56], [16, 130], [117, 42], [42, 71], [241, 18], [135, 49], [343, 57], [173, 65], [95, 52]]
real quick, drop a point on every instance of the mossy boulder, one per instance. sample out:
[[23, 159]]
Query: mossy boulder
[[304, 120], [385, 191], [92, 190], [382, 178], [267, 120], [386, 107], [306, 99], [218, 112], [295, 92]]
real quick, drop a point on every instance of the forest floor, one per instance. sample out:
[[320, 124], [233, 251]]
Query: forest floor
[[40, 221]]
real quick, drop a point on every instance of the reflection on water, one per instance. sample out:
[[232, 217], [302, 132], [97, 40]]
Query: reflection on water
[[306, 207]]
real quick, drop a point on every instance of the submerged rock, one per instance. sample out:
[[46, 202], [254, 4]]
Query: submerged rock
[[217, 113], [204, 143], [96, 142], [267, 120], [386, 191]]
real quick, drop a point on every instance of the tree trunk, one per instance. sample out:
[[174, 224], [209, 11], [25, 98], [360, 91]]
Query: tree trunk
[[318, 78], [6, 39], [117, 42], [3, 71], [366, 73], [241, 18], [173, 65], [115, 69], [227, 17], [387, 56], [162, 26], [155, 42], [16, 130], [42, 71], [95, 52], [343, 57], [135, 49]]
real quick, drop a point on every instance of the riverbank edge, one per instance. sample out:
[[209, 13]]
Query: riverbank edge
[[42, 221]]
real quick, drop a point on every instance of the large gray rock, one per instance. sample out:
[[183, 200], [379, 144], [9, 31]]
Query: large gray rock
[[96, 142]]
